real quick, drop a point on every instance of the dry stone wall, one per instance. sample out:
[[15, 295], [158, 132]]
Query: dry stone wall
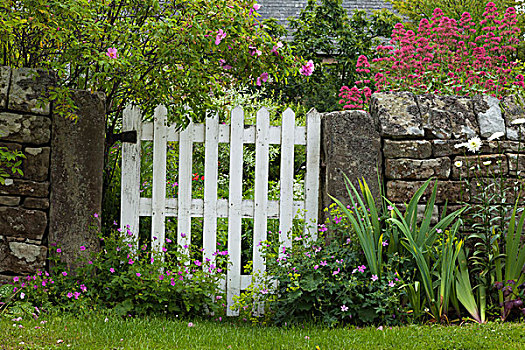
[[25, 125], [419, 138], [61, 186]]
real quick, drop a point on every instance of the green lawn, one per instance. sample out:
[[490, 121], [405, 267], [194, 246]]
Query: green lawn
[[157, 333]]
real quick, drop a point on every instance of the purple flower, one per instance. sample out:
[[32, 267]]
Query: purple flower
[[138, 274], [112, 270], [220, 35], [374, 278], [197, 262], [183, 235], [439, 230], [385, 243], [361, 268], [323, 263], [344, 308], [64, 273], [82, 248], [336, 271], [391, 284], [322, 228], [59, 250], [262, 79], [390, 208], [70, 295], [307, 69], [95, 215], [112, 53], [337, 220]]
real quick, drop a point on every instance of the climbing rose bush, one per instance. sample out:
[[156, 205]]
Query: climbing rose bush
[[444, 56]]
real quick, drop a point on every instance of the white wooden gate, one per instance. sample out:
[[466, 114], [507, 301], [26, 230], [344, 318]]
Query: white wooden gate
[[235, 208]]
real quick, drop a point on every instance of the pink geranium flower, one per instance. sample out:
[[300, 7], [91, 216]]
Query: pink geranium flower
[[220, 35], [262, 79], [112, 53]]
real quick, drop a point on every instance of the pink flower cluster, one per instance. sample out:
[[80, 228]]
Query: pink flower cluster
[[443, 56]]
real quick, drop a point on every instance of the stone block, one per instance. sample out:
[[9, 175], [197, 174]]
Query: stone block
[[36, 203], [21, 258], [499, 190], [402, 191], [421, 212], [516, 164], [398, 115], [351, 146], [480, 166], [28, 87], [25, 188], [77, 164], [513, 110], [489, 114], [447, 117], [418, 149], [417, 169], [9, 201], [5, 79], [31, 129], [23, 223], [443, 148], [36, 164]]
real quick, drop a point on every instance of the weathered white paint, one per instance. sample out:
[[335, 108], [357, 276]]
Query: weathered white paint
[[158, 221], [311, 183], [211, 158], [130, 182], [235, 207], [185, 182], [260, 218], [286, 213]]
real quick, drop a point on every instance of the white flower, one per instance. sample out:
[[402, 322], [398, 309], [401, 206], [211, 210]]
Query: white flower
[[22, 295], [474, 144], [458, 163], [496, 136], [488, 162], [518, 121]]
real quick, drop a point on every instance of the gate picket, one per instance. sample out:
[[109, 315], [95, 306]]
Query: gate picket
[[210, 208]]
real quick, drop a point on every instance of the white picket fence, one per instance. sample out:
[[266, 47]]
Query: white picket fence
[[235, 207]]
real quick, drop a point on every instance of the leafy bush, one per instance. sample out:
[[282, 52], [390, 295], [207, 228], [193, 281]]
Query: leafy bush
[[326, 283], [10, 161], [125, 282], [324, 33]]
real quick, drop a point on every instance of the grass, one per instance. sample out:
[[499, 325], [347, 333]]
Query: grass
[[93, 332]]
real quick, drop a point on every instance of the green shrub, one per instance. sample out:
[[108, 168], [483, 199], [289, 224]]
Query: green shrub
[[125, 282]]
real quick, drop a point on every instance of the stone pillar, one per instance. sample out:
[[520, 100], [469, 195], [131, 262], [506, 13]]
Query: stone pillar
[[77, 164], [351, 145]]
